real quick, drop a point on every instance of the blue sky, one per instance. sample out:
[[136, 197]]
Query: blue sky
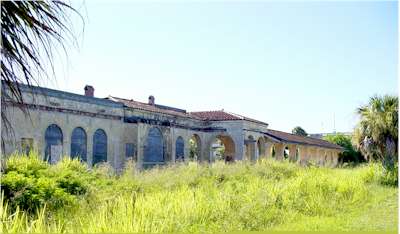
[[285, 63]]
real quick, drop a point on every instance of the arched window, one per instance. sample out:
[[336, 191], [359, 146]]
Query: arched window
[[54, 143], [154, 151], [99, 146], [195, 148], [179, 149], [78, 144]]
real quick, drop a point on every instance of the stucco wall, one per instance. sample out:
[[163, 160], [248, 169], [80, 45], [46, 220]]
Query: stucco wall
[[69, 111]]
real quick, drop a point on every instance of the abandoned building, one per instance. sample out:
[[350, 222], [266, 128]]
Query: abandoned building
[[114, 130]]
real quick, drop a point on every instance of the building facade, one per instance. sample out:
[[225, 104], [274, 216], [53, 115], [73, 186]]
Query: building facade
[[114, 130]]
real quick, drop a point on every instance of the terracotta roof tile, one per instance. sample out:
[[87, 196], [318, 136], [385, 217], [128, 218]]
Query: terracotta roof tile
[[292, 138], [152, 108], [222, 115]]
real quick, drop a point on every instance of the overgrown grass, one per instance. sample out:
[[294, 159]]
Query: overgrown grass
[[268, 195]]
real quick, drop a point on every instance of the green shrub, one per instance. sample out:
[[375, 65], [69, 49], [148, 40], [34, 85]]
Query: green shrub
[[29, 183], [390, 176]]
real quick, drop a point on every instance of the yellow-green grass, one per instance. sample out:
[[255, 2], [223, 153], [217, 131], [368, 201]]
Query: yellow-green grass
[[267, 195]]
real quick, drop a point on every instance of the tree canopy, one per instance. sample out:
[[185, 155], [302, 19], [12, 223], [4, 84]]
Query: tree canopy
[[376, 134], [31, 32], [350, 154], [299, 131]]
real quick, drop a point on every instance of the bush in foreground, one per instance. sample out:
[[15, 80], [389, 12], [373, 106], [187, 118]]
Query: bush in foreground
[[29, 183]]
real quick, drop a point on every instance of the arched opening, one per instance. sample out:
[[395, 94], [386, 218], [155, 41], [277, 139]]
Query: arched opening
[[326, 158], [78, 144], [273, 151], [154, 149], [286, 152], [321, 156], [261, 147], [54, 143], [195, 148], [331, 159], [250, 149], [222, 149], [179, 149], [99, 146]]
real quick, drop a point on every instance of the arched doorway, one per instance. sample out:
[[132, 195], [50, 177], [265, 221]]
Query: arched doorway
[[99, 146], [286, 153], [222, 148], [179, 149], [78, 144], [195, 148], [154, 149], [54, 143], [273, 151]]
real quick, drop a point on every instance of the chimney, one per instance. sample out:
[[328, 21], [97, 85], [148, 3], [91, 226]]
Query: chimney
[[89, 91], [151, 100]]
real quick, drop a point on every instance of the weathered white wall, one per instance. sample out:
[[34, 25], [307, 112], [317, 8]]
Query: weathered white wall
[[69, 111]]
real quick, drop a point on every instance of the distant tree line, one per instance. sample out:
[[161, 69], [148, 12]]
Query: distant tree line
[[375, 138]]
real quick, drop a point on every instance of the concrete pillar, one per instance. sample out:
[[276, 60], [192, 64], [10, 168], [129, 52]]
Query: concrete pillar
[[204, 152], [303, 155], [89, 143], [239, 147], [318, 156], [279, 151], [253, 150], [140, 142], [260, 151], [169, 143], [322, 157], [314, 155], [186, 151], [292, 153], [67, 142], [173, 152], [268, 149], [256, 152], [328, 158], [250, 149], [335, 158], [310, 154], [117, 154]]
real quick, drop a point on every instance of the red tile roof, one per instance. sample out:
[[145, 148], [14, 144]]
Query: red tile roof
[[200, 115], [292, 138], [152, 108], [222, 115]]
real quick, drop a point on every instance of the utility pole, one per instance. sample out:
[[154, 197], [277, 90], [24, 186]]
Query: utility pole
[[334, 124]]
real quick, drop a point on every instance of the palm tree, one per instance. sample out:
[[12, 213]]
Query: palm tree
[[376, 135], [30, 33]]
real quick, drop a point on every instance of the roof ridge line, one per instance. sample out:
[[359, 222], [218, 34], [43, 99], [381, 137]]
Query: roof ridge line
[[237, 115]]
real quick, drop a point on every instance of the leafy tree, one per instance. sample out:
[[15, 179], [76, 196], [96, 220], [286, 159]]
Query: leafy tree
[[299, 131], [376, 134], [30, 33], [350, 154]]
